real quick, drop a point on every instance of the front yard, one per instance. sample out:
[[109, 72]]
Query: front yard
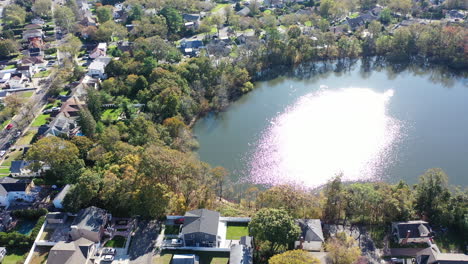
[[236, 231], [42, 74], [40, 120], [205, 257]]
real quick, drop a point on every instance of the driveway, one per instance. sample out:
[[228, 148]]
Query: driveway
[[143, 242]]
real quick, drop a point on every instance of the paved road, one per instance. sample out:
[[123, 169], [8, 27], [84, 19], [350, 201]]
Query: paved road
[[143, 243]]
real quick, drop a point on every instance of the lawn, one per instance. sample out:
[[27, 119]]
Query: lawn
[[308, 23], [5, 170], [116, 242], [219, 7], [26, 138], [172, 230], [63, 93], [41, 74], [9, 67], [11, 157], [450, 241], [205, 257], [56, 103], [27, 94], [40, 120], [111, 114], [15, 256], [5, 123], [267, 12], [236, 231]]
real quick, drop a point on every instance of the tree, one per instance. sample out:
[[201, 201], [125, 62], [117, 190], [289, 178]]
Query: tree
[[432, 194], [94, 103], [14, 15], [386, 16], [110, 29], [294, 32], [87, 123], [174, 19], [72, 45], [8, 47], [61, 155], [104, 13], [83, 144], [274, 226], [326, 7], [83, 192], [42, 8], [334, 195], [402, 6], [64, 18], [294, 257], [153, 200], [342, 249]]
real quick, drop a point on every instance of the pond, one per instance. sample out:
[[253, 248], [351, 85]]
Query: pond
[[362, 119]]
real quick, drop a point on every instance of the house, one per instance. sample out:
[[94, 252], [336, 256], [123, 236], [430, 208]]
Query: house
[[56, 218], [2, 253], [72, 107], [99, 51], [20, 168], [242, 253], [432, 255], [311, 235], [90, 224], [35, 52], [15, 190], [17, 81], [191, 47], [36, 62], [97, 68], [456, 14], [243, 12], [201, 228], [192, 20], [26, 70], [32, 33], [184, 259], [78, 251], [5, 77], [61, 125], [412, 232], [38, 21], [58, 200]]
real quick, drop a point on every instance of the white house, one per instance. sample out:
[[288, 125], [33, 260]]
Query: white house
[[17, 81], [15, 190], [99, 51], [19, 168], [97, 68], [58, 200]]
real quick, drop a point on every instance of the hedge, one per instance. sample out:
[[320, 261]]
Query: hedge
[[30, 214]]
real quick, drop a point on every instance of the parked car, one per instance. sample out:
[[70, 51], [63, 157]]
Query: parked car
[[179, 221], [108, 258], [9, 126], [2, 153], [108, 251]]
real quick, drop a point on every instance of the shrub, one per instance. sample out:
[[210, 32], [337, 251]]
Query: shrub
[[30, 214]]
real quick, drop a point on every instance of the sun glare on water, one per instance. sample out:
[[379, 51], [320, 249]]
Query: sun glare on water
[[325, 133]]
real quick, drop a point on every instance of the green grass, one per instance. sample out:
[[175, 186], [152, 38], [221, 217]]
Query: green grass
[[9, 67], [213, 30], [62, 93], [4, 170], [5, 123], [308, 23], [26, 138], [219, 7], [354, 15], [172, 230], [205, 257], [55, 103], [111, 114], [267, 12], [27, 94], [41, 74], [40, 120], [116, 242], [236, 231], [15, 256], [11, 157]]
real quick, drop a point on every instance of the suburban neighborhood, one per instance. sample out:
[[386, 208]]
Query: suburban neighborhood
[[98, 161]]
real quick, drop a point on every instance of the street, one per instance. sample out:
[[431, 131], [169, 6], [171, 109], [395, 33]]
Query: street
[[143, 242]]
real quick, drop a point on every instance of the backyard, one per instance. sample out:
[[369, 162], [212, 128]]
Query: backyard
[[116, 242], [15, 256], [205, 257], [236, 231], [14, 155], [111, 114], [40, 255], [41, 74]]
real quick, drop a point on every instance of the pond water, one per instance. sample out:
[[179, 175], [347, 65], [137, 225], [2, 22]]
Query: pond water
[[361, 119]]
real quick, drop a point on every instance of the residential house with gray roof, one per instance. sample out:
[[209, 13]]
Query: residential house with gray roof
[[412, 232], [201, 228], [432, 255], [311, 235], [90, 223], [78, 251], [16, 190]]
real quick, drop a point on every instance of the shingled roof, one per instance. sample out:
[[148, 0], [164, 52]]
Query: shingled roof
[[201, 220], [70, 252], [91, 218]]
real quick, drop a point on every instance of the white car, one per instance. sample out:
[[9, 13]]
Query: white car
[[2, 153], [108, 258]]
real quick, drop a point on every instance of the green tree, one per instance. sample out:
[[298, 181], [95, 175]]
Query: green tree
[[61, 155], [42, 8], [84, 145], [104, 13], [294, 32], [386, 16], [94, 103], [83, 192], [87, 123], [326, 7], [334, 196], [274, 226], [342, 249], [174, 19], [432, 195], [14, 15], [72, 45], [64, 18], [109, 29], [153, 200], [294, 257], [8, 47]]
